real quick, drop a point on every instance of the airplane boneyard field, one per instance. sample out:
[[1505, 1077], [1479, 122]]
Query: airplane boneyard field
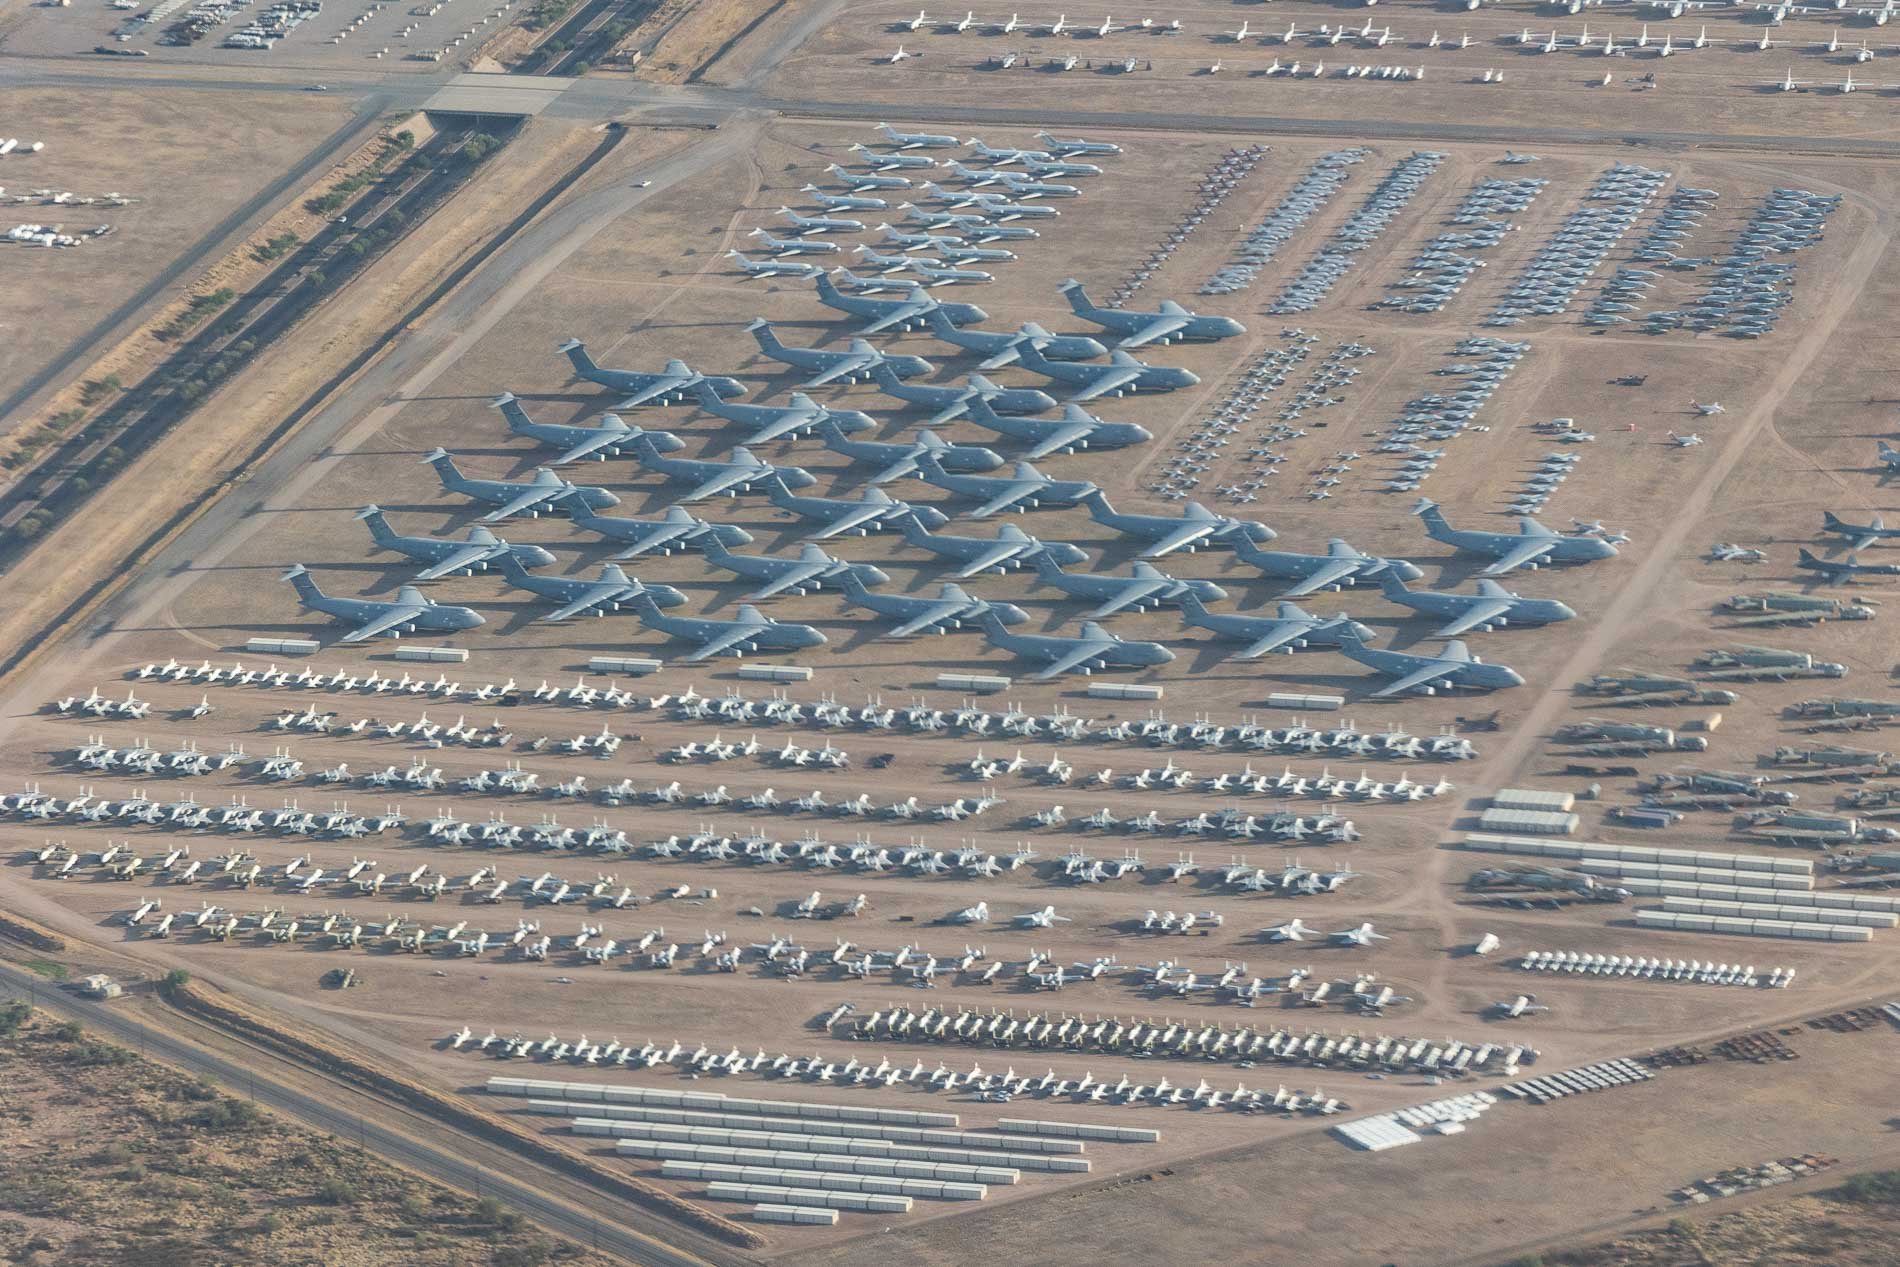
[[1021, 606]]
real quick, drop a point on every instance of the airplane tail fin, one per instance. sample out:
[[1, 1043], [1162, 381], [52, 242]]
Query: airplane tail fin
[[445, 468], [766, 337], [379, 528], [1831, 520], [1808, 559], [1078, 298], [1391, 585], [301, 580], [511, 410], [577, 355]]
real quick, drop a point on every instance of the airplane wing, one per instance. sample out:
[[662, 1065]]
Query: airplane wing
[[660, 386], [1159, 328], [1520, 554], [658, 537], [790, 577], [1005, 499], [588, 599], [1107, 383], [905, 311], [1416, 678], [846, 365], [1008, 356], [1081, 653], [383, 622], [1332, 572], [784, 426], [1186, 535], [854, 518], [464, 557], [1475, 615], [896, 470], [590, 446], [537, 495], [988, 559], [1283, 632], [1060, 439], [730, 478], [722, 642], [1862, 542], [926, 619], [1127, 598]]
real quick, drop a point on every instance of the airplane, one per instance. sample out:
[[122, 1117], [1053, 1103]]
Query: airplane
[[917, 140], [1426, 674], [1095, 648], [669, 385], [1077, 428], [1000, 349], [1293, 930], [879, 161], [531, 498], [775, 267], [1123, 373], [1195, 526], [1685, 441], [936, 276], [851, 366], [1341, 565], [1044, 918], [1293, 627], [600, 443], [773, 422], [899, 55], [809, 571], [1171, 324], [1492, 607], [1146, 587], [1510, 158], [678, 529], [1360, 936], [1076, 145], [1531, 545], [1011, 547], [949, 610], [912, 312], [1522, 1005], [1859, 536], [738, 472], [411, 610], [1026, 487], [1889, 456], [1712, 408], [577, 596], [1835, 572], [900, 460], [845, 202], [794, 246], [751, 631], [953, 402], [1729, 552], [873, 509], [471, 554], [807, 225]]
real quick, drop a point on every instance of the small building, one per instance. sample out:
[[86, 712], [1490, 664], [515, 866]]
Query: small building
[[100, 986]]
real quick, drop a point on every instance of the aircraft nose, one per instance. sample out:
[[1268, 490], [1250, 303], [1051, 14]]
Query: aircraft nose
[[1165, 657], [1232, 327], [1212, 593], [1564, 611], [873, 576], [1141, 434], [473, 619], [607, 498], [1513, 677]]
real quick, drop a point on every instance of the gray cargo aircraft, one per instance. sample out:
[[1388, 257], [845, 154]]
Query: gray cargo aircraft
[[1123, 373], [853, 365], [739, 472], [599, 443], [1426, 674], [1492, 607], [1010, 548], [1075, 430], [1095, 648], [873, 509], [1341, 565], [900, 459], [912, 312], [812, 569], [612, 590], [1171, 324], [1024, 488], [472, 554], [1531, 545], [773, 422], [411, 610], [1146, 587], [950, 609], [1293, 628], [752, 630], [539, 494], [999, 349], [954, 402], [671, 384], [678, 529], [1195, 526]]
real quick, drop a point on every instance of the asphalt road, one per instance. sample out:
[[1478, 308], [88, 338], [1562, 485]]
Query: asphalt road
[[313, 1108]]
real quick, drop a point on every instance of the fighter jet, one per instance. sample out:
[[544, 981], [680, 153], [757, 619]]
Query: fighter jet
[[739, 472], [1025, 488], [1146, 587], [1293, 628], [751, 631], [950, 609], [1426, 674], [1531, 545], [852, 366], [954, 402], [913, 312], [472, 554], [678, 529], [1123, 373], [1010, 548], [811, 570], [1859, 536], [873, 509], [1889, 456], [1096, 648], [1492, 607], [900, 460], [916, 140], [1002, 349], [411, 610], [1076, 145], [669, 385], [1077, 429], [539, 494], [1195, 526], [775, 267], [1341, 565], [773, 422], [1172, 324], [600, 443], [577, 596], [1834, 572]]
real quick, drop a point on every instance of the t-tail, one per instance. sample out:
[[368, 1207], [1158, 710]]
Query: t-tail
[[446, 470], [511, 410], [1079, 301], [767, 338], [306, 587], [379, 528], [577, 355]]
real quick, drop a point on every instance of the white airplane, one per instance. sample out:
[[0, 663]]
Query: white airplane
[[899, 55], [1522, 1005], [1044, 918], [1360, 936], [1293, 930], [1685, 442], [1241, 35], [1009, 27], [1712, 408], [917, 22], [916, 140]]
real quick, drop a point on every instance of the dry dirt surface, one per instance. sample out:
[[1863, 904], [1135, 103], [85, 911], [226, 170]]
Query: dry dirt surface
[[1828, 1228], [110, 1160]]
